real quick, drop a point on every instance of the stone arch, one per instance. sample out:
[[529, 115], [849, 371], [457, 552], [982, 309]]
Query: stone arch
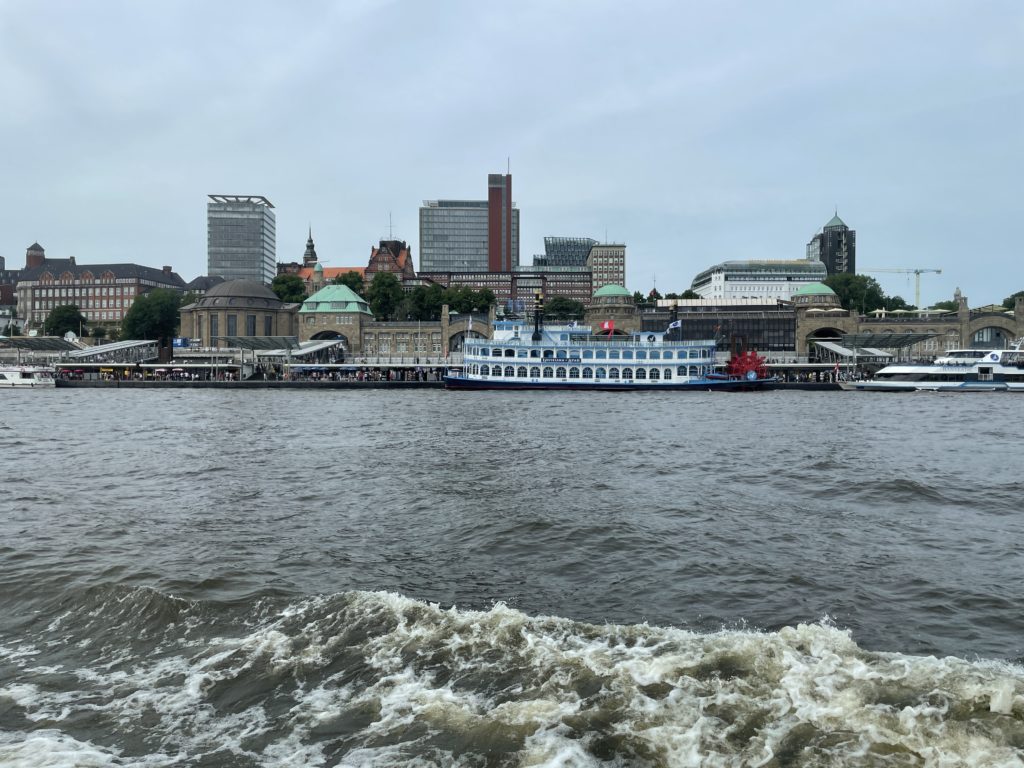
[[990, 336], [329, 336]]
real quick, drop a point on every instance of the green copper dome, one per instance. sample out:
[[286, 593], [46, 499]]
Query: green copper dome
[[814, 289], [611, 290], [835, 221], [335, 298]]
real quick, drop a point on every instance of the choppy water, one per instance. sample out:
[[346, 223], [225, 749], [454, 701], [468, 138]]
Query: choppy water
[[479, 579]]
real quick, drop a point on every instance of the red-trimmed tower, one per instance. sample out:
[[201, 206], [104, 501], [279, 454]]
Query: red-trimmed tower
[[499, 223]]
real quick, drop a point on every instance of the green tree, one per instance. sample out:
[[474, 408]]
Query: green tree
[[896, 302], [289, 288], [99, 332], [857, 293], [638, 298], [153, 315], [62, 319], [1009, 300], [564, 308], [949, 306], [688, 294], [384, 295], [353, 280]]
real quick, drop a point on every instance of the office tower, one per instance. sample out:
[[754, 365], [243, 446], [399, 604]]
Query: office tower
[[836, 246], [565, 252], [241, 238], [471, 235]]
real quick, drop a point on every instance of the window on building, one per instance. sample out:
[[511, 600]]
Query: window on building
[[232, 325]]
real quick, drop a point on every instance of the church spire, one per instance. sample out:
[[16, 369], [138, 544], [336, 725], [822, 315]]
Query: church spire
[[309, 257]]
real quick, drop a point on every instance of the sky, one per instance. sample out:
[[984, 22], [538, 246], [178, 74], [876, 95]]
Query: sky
[[694, 132]]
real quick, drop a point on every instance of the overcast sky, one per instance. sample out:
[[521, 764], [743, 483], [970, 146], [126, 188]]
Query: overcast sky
[[693, 132]]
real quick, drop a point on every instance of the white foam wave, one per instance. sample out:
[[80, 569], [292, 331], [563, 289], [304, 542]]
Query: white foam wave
[[379, 679]]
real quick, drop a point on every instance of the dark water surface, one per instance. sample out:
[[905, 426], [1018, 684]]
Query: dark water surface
[[566, 579]]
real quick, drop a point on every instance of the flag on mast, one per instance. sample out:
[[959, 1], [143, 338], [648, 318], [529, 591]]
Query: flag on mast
[[673, 324], [608, 325]]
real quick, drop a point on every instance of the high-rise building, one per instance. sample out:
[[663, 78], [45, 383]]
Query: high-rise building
[[565, 252], [241, 238], [607, 264], [471, 235], [835, 246]]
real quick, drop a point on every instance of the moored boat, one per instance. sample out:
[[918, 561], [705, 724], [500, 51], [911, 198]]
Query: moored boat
[[26, 377], [519, 357], [958, 370]]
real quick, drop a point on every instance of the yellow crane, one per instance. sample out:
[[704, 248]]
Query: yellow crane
[[917, 278]]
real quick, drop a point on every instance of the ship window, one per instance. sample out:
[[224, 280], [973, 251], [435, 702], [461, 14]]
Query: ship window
[[627, 373], [485, 351], [522, 353], [655, 354], [588, 373], [601, 354], [668, 354], [509, 371], [693, 370], [534, 353], [485, 370], [560, 372], [694, 353], [681, 370], [535, 372], [655, 373], [561, 354], [627, 354], [510, 353], [588, 354], [574, 373], [521, 372], [668, 374], [495, 352], [641, 355], [613, 373], [548, 353], [548, 371], [600, 373], [613, 354], [641, 373]]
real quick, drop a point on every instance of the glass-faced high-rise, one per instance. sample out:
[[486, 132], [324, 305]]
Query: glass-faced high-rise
[[241, 238], [471, 235]]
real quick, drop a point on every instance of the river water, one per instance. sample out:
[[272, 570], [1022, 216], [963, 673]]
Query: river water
[[393, 578]]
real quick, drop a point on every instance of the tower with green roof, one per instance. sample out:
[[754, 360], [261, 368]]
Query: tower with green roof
[[836, 246]]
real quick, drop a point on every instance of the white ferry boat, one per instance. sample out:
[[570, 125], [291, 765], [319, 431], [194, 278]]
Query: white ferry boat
[[26, 376], [520, 356], [958, 370]]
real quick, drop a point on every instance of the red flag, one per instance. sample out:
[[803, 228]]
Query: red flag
[[608, 325]]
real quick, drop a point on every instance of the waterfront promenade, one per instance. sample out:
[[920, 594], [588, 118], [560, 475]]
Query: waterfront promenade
[[805, 386]]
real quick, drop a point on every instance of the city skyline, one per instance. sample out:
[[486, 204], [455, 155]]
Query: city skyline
[[694, 134]]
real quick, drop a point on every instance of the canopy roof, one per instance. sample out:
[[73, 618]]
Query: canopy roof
[[104, 349], [37, 343], [885, 340], [259, 342]]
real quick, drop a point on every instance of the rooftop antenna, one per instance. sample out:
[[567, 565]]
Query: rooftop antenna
[[508, 165], [391, 230]]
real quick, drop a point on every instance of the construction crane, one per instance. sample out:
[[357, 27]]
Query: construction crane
[[917, 278]]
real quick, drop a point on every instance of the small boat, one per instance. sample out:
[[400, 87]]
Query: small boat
[[26, 377], [560, 357], [957, 370]]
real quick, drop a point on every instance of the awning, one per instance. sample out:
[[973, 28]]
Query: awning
[[885, 340], [833, 347], [259, 342]]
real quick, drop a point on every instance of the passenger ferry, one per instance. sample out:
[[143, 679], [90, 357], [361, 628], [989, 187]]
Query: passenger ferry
[[572, 357], [958, 370], [26, 377]]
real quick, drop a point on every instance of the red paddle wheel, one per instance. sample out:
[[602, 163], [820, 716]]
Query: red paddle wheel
[[743, 363]]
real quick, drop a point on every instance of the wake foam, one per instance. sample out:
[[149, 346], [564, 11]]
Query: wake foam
[[379, 679]]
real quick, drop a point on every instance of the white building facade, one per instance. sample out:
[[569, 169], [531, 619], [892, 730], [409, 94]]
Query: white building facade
[[758, 279]]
